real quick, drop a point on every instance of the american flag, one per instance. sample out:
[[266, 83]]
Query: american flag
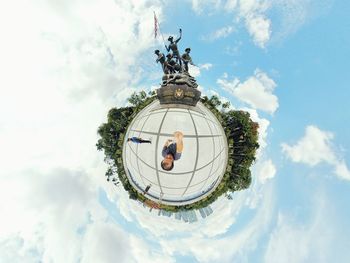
[[155, 26]]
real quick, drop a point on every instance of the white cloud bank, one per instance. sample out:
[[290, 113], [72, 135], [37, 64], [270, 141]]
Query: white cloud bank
[[294, 14], [317, 239], [255, 14], [252, 12], [52, 103], [226, 248], [64, 65], [316, 147], [257, 90]]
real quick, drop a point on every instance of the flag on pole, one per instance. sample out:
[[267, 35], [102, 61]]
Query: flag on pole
[[155, 26]]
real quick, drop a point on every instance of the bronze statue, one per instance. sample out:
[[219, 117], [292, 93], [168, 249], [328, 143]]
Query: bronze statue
[[173, 61], [180, 79], [178, 86], [161, 59], [186, 58], [171, 65], [173, 47]]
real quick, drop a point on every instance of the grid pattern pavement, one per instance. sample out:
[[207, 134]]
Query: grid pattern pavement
[[201, 166]]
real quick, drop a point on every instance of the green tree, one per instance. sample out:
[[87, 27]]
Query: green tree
[[241, 131]]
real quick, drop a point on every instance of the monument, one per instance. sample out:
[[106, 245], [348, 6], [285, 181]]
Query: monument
[[187, 154], [175, 150], [178, 86]]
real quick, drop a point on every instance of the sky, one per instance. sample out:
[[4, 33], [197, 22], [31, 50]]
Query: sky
[[64, 64]]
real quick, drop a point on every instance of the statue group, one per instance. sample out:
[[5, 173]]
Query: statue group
[[178, 86], [174, 63]]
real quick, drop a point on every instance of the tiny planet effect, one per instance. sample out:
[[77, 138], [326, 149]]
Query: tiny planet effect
[[203, 160], [175, 150]]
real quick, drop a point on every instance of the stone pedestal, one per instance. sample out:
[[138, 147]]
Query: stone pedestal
[[178, 94], [178, 89]]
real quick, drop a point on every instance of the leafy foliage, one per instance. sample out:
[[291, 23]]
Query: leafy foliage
[[112, 137], [240, 130]]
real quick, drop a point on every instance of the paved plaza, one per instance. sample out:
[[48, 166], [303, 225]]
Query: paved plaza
[[201, 166]]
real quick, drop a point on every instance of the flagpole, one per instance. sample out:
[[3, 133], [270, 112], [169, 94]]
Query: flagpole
[[155, 17]]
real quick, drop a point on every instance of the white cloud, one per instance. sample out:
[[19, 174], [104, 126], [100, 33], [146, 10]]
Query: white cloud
[[229, 86], [291, 15], [316, 147], [252, 12], [294, 14], [144, 253], [266, 171], [105, 242], [222, 32], [77, 60], [312, 240], [231, 4], [195, 71], [56, 217], [258, 25], [206, 66], [226, 248], [79, 41], [342, 170], [288, 242], [257, 91], [16, 250], [199, 6], [311, 149], [46, 210], [259, 28]]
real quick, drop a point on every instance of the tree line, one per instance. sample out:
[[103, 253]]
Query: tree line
[[240, 130]]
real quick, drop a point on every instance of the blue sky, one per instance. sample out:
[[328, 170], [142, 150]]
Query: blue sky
[[64, 65]]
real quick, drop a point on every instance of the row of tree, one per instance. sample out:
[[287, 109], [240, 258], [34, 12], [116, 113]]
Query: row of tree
[[112, 137], [242, 137]]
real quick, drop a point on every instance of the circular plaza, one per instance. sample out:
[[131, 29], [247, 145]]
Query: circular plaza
[[203, 159]]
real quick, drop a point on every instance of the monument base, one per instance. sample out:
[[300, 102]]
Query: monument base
[[178, 89], [178, 94]]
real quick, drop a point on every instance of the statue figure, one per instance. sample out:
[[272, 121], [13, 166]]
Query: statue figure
[[173, 47], [180, 79], [171, 65], [178, 86], [161, 59], [186, 58]]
